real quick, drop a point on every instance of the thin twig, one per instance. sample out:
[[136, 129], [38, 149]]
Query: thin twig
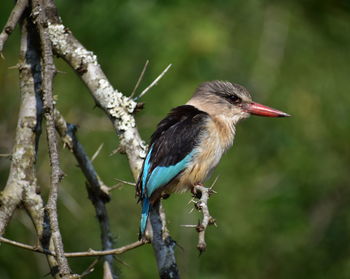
[[12, 21], [153, 83], [140, 79], [90, 253], [26, 246], [116, 251]]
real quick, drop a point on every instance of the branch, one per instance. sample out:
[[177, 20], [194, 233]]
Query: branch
[[22, 178], [203, 194], [90, 253], [97, 190], [163, 247], [12, 21], [38, 12], [27, 247], [116, 251]]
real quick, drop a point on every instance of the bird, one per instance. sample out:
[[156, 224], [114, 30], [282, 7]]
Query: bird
[[190, 141]]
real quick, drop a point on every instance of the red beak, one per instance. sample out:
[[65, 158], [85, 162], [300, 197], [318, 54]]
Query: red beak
[[261, 110]]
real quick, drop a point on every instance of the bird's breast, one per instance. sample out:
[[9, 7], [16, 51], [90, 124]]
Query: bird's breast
[[214, 141]]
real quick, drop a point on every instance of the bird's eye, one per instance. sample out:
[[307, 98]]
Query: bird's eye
[[233, 99]]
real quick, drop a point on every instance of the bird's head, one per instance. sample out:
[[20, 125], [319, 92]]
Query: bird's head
[[230, 100]]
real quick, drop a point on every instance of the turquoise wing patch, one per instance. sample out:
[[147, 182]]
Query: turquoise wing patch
[[146, 167], [161, 176]]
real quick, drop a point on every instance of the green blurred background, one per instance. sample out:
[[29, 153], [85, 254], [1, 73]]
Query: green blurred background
[[283, 202]]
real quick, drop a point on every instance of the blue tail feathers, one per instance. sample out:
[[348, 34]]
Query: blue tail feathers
[[144, 215]]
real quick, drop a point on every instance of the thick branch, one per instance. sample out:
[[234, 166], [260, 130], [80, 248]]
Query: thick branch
[[12, 21], [163, 248], [22, 172]]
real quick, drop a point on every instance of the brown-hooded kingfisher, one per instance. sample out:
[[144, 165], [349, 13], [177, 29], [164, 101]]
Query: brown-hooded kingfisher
[[190, 140]]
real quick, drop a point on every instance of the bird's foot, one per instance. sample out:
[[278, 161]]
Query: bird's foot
[[196, 194]]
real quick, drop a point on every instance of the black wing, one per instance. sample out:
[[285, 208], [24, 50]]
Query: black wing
[[176, 136]]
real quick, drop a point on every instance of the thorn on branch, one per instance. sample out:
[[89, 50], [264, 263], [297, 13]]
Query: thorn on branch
[[90, 268], [154, 83], [119, 185], [126, 182], [189, 226], [60, 72], [139, 79], [17, 66], [6, 155], [212, 221], [97, 152], [120, 149]]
